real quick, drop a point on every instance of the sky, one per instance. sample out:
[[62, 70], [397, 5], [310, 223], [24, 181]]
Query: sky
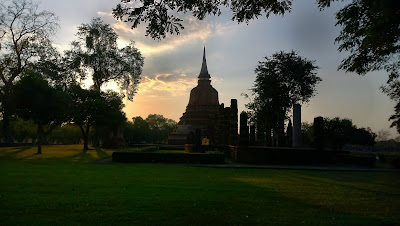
[[233, 50]]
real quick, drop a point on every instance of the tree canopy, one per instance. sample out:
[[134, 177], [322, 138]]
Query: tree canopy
[[154, 129], [92, 108], [44, 105], [371, 33], [96, 54], [24, 40], [282, 80], [340, 131], [161, 19]]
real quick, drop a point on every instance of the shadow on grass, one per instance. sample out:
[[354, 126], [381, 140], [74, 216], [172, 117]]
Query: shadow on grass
[[350, 184], [90, 155], [13, 154], [101, 154], [331, 206]]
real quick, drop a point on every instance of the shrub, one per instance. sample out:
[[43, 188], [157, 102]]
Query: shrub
[[149, 157]]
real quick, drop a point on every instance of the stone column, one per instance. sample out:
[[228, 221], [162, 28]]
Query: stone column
[[289, 134], [233, 135], [319, 133], [297, 139], [244, 130], [252, 135]]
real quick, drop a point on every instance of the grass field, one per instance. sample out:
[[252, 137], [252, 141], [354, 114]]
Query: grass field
[[63, 186]]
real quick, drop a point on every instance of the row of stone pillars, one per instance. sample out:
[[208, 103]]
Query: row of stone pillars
[[293, 133]]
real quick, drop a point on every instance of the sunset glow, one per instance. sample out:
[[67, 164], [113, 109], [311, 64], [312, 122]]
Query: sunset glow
[[172, 65]]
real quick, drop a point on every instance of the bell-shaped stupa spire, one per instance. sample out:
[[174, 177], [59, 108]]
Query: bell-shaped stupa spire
[[204, 71]]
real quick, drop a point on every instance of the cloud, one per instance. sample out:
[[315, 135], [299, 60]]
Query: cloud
[[170, 85], [195, 31]]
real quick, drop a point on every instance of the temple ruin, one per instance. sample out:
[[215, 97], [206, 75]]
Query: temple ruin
[[205, 117]]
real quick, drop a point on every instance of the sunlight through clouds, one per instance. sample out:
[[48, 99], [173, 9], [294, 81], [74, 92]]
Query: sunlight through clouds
[[195, 30], [166, 84]]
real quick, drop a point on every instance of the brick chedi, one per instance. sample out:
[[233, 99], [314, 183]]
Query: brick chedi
[[204, 115]]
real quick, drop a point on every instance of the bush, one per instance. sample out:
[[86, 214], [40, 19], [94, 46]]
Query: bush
[[149, 157], [392, 158]]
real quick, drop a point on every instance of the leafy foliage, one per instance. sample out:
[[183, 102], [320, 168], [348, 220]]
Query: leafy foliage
[[45, 105], [92, 108], [154, 129], [23, 130], [392, 89], [65, 134], [371, 32], [24, 40], [161, 20], [96, 53], [282, 80], [338, 132]]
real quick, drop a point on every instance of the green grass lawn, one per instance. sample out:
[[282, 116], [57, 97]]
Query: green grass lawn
[[63, 186]]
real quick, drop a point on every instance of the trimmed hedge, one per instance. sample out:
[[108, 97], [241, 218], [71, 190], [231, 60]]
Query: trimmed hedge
[[392, 158], [168, 158]]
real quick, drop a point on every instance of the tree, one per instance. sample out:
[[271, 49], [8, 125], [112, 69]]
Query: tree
[[65, 134], [92, 108], [338, 132], [160, 127], [161, 20], [96, 54], [22, 130], [154, 129], [382, 135], [84, 108], [44, 105], [281, 81], [371, 33], [138, 132], [111, 120], [24, 39]]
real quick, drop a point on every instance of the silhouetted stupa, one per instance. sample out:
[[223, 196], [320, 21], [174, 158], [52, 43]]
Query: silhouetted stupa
[[204, 115]]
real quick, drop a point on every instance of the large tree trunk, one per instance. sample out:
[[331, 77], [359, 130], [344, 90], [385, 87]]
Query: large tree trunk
[[97, 86], [6, 127], [6, 118], [85, 136], [40, 135]]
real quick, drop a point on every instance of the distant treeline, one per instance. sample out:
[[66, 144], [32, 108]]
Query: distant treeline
[[152, 130]]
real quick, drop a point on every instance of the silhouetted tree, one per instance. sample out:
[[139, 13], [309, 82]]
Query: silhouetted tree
[[282, 80], [382, 135], [111, 120], [154, 129], [92, 108], [161, 19], [85, 106], [97, 55], [161, 15], [45, 105], [339, 132], [160, 127], [371, 33], [395, 118], [24, 39], [137, 131]]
